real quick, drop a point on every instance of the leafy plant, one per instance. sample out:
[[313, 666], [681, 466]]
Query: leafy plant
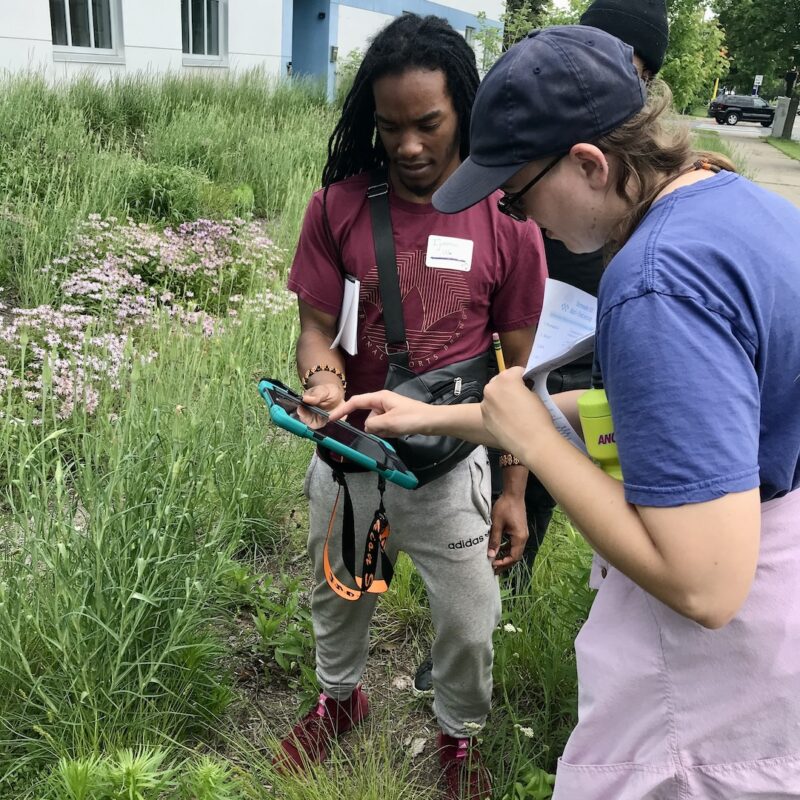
[[208, 779], [283, 622]]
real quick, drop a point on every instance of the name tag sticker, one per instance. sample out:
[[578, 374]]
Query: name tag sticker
[[446, 252]]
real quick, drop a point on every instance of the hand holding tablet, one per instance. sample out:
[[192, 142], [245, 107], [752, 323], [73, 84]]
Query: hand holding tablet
[[289, 412]]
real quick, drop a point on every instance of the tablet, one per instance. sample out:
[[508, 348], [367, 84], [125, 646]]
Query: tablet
[[340, 437]]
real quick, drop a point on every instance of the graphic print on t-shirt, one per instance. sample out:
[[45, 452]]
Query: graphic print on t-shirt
[[435, 303]]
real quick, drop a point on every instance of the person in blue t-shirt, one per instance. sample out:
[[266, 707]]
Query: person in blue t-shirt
[[688, 664], [644, 26]]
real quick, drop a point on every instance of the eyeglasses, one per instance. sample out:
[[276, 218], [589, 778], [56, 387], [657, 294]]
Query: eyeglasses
[[508, 204]]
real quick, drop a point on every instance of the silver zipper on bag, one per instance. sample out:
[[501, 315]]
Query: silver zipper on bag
[[457, 389]]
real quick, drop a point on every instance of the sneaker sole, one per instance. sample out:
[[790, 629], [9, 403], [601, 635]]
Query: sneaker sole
[[421, 692]]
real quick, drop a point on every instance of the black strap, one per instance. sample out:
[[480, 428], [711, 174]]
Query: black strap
[[388, 278], [376, 538]]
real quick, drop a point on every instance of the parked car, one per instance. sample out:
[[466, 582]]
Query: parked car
[[730, 108]]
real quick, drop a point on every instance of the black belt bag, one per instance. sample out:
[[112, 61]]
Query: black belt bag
[[428, 457]]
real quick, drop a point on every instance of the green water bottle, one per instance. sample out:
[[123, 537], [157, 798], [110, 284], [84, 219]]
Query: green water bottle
[[598, 429]]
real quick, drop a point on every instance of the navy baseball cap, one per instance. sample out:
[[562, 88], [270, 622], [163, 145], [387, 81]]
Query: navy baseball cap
[[557, 87]]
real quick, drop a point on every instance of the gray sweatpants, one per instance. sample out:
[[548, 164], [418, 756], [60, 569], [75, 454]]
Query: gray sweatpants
[[444, 528]]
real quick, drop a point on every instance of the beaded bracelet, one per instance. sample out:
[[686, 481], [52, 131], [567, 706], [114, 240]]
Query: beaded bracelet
[[507, 460], [324, 368]]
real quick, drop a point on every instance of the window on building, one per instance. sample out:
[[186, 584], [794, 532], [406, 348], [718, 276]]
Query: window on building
[[85, 24], [469, 35], [203, 24]]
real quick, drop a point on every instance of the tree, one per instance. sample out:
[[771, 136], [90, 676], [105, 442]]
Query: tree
[[521, 17], [488, 43], [695, 57], [763, 38], [567, 16]]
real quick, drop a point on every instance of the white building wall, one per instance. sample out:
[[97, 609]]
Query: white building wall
[[151, 39], [356, 27], [25, 40], [151, 34], [254, 34]]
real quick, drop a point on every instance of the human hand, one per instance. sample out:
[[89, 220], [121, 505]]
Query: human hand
[[508, 517], [512, 413], [326, 396], [391, 414]]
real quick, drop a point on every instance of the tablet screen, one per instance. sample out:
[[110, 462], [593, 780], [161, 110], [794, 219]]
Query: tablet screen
[[342, 432]]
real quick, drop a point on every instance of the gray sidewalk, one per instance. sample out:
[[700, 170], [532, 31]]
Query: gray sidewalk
[[768, 167]]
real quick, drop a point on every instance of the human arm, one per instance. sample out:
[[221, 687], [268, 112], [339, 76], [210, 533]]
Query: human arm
[[567, 403], [518, 295], [317, 331], [316, 277], [508, 512], [698, 558], [394, 415], [686, 524]]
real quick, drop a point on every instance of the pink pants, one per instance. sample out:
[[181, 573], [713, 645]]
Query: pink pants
[[669, 710]]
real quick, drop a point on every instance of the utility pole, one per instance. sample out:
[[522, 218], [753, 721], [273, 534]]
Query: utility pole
[[794, 102]]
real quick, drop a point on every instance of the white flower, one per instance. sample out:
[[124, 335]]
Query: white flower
[[527, 732], [509, 628]]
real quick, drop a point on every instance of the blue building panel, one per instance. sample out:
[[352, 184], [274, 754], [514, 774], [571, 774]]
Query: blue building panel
[[311, 33]]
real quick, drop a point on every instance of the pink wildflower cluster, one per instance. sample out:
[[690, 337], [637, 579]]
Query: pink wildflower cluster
[[120, 277], [269, 302], [204, 262], [61, 342]]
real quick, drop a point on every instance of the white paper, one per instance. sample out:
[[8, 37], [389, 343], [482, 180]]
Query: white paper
[[565, 332], [348, 318], [448, 252]]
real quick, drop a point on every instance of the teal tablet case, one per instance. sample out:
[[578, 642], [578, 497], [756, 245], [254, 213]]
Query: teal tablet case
[[279, 416]]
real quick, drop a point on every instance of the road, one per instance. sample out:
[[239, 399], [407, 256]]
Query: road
[[743, 130]]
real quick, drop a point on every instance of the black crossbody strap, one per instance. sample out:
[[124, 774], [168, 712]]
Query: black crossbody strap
[[374, 548], [388, 278]]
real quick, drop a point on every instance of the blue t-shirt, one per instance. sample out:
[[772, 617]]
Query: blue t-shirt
[[698, 341]]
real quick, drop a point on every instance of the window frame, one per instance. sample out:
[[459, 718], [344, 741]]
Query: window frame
[[201, 60], [92, 55]]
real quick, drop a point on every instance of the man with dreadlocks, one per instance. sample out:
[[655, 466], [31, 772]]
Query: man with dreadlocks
[[406, 118]]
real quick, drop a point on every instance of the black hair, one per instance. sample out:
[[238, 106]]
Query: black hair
[[408, 42]]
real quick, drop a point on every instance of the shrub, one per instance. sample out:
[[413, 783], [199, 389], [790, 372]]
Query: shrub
[[168, 192]]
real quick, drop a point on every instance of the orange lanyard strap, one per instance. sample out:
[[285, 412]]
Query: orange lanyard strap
[[375, 545]]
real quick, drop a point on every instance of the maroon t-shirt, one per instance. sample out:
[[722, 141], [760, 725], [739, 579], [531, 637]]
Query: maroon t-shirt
[[449, 314]]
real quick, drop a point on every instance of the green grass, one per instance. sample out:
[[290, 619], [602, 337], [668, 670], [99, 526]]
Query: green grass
[[713, 142], [153, 549], [169, 149], [698, 110], [789, 148]]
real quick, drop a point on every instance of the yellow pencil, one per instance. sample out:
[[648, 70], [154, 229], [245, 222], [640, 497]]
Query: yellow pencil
[[498, 352]]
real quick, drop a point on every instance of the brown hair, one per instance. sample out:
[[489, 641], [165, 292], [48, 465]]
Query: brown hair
[[648, 151]]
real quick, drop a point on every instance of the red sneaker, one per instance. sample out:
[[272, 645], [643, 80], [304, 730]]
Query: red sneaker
[[463, 774], [310, 740]]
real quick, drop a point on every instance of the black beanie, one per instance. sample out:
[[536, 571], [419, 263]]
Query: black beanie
[[640, 23]]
